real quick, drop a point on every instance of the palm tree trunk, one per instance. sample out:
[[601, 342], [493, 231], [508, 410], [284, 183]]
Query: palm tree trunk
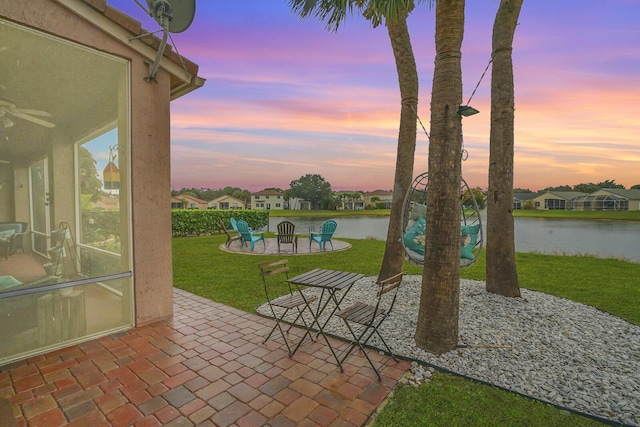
[[393, 260], [502, 275], [437, 328]]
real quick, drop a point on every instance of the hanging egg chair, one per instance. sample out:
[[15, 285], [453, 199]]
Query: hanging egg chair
[[414, 214]]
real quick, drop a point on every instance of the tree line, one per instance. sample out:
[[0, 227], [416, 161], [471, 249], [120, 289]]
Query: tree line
[[315, 189], [588, 187]]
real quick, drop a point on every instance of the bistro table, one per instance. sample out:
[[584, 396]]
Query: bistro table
[[330, 282]]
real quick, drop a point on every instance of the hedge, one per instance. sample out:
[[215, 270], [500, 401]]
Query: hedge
[[197, 222]]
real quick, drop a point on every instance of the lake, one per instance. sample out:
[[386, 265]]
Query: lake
[[599, 238]]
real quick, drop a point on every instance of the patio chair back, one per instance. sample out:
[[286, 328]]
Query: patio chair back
[[287, 234], [248, 235], [230, 237], [324, 235]]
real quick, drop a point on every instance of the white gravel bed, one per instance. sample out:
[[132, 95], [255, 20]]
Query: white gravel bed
[[546, 347]]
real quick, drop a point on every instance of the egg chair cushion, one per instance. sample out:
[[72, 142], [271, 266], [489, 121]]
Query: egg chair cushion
[[413, 239], [468, 239]]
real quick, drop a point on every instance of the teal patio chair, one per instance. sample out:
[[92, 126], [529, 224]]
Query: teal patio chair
[[248, 235], [234, 225], [324, 235]]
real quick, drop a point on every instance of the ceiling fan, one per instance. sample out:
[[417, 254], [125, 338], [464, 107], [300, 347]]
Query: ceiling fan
[[8, 108]]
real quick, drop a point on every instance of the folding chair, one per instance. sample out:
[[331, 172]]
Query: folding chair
[[274, 275], [370, 317]]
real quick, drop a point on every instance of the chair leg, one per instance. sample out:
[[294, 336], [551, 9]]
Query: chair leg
[[357, 340], [279, 327]]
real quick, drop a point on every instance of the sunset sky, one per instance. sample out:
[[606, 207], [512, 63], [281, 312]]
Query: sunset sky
[[284, 97]]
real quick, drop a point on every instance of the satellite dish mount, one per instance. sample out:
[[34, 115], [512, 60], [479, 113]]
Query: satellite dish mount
[[173, 16]]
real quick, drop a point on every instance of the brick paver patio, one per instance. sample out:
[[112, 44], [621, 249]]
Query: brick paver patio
[[206, 367]]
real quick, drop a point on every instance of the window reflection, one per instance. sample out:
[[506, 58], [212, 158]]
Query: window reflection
[[64, 221]]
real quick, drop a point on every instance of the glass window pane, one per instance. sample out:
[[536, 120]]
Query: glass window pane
[[64, 209]]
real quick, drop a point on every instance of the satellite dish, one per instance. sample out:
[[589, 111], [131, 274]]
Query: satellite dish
[[174, 16], [179, 13]]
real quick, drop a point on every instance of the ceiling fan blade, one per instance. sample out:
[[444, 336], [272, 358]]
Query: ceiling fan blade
[[31, 119], [31, 112]]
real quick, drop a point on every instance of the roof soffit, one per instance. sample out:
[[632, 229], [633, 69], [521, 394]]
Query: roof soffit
[[125, 29]]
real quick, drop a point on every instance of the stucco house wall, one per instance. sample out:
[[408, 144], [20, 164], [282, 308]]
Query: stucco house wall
[[226, 200], [267, 199]]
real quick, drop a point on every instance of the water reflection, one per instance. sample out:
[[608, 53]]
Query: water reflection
[[600, 238]]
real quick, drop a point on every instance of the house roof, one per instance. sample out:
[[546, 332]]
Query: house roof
[[633, 194], [267, 193], [181, 197], [524, 196], [183, 72], [225, 197], [567, 195]]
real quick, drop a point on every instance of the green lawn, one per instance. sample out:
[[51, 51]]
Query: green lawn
[[202, 268]]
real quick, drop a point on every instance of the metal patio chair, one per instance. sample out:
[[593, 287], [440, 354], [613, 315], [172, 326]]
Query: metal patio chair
[[275, 275], [369, 317]]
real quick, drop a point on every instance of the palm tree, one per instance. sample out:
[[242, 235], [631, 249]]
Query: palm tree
[[393, 260], [394, 13], [502, 275], [437, 328]]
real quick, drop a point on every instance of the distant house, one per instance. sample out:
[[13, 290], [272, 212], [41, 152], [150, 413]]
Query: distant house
[[226, 202], [519, 198], [108, 203], [185, 201], [385, 196], [298, 204], [556, 200], [351, 200], [267, 200], [608, 199]]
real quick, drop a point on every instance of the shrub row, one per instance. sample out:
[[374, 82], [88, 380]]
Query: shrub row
[[196, 222]]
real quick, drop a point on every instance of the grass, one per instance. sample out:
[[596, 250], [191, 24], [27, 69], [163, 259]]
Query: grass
[[200, 267], [449, 400]]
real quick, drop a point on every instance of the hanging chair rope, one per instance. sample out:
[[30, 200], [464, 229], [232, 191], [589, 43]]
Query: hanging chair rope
[[480, 81]]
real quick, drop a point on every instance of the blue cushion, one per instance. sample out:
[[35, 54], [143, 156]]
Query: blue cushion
[[6, 234], [469, 238], [7, 282], [413, 239]]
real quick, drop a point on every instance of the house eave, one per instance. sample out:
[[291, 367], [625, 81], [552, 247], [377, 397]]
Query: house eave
[[129, 32]]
